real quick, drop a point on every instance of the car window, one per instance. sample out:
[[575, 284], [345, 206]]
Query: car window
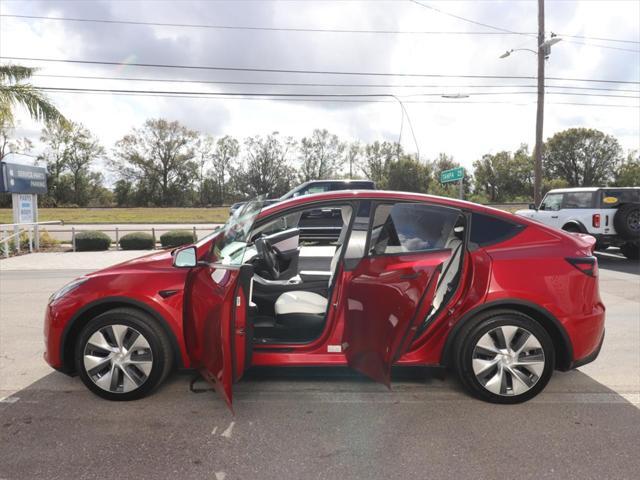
[[612, 198], [486, 229], [317, 188], [552, 201], [578, 200], [410, 227]]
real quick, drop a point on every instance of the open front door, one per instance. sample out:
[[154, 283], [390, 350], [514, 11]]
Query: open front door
[[392, 290], [217, 294], [217, 328]]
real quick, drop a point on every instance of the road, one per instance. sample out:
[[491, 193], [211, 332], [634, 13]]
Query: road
[[322, 423]]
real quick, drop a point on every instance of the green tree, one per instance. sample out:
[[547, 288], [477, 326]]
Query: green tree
[[353, 158], [158, 158], [408, 174], [8, 144], [504, 176], [15, 92], [628, 175], [320, 155], [378, 157], [225, 159], [266, 169], [583, 157]]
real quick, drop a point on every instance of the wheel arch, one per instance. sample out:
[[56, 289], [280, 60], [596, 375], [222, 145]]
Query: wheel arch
[[575, 223], [561, 342], [92, 310]]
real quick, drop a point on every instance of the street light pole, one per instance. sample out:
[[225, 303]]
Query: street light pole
[[537, 181]]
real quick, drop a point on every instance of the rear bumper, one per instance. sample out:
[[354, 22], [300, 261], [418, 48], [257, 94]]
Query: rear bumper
[[591, 357]]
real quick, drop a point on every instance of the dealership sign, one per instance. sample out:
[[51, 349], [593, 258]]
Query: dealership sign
[[16, 178]]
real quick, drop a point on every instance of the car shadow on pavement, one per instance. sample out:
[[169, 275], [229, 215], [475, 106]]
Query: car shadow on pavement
[[317, 423], [618, 263]]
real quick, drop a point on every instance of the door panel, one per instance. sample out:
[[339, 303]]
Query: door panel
[[215, 298], [382, 298]]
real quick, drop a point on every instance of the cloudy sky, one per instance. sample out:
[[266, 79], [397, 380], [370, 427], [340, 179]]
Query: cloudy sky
[[492, 118]]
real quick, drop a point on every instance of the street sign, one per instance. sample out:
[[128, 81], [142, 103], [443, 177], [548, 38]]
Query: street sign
[[16, 178], [453, 175]]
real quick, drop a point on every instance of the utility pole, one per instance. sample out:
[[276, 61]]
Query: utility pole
[[537, 181]]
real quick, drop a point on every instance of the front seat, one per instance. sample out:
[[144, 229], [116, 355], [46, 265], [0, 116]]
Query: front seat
[[306, 310]]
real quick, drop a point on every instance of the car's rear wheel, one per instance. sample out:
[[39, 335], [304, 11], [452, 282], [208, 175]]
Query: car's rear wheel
[[504, 357], [122, 354]]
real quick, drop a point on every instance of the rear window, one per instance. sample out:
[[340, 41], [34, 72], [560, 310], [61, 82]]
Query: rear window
[[352, 186], [612, 198], [486, 229]]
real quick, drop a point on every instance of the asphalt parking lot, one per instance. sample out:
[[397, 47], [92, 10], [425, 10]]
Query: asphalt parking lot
[[322, 423]]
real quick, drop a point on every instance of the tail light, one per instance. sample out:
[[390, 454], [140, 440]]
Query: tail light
[[595, 220], [587, 265]]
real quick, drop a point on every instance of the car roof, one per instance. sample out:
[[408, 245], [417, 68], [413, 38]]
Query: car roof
[[588, 189], [339, 180], [388, 195]]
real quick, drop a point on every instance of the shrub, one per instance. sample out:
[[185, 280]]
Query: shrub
[[46, 240], [175, 238], [92, 241], [136, 241]]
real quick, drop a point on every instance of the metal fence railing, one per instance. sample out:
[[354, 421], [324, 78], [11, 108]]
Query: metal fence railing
[[33, 235]]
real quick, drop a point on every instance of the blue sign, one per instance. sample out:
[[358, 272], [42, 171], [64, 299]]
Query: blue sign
[[17, 178]]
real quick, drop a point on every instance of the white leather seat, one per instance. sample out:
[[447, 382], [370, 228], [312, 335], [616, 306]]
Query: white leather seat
[[300, 301]]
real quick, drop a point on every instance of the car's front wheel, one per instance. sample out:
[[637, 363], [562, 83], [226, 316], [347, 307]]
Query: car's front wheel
[[504, 357], [122, 354]]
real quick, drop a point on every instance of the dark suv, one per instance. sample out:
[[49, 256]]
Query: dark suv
[[320, 224]]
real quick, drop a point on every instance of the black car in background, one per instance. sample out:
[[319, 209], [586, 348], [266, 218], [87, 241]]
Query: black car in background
[[321, 224]]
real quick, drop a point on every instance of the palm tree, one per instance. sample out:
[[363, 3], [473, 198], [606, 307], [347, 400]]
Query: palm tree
[[13, 92]]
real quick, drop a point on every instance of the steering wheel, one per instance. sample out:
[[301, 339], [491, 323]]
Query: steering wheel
[[269, 257]]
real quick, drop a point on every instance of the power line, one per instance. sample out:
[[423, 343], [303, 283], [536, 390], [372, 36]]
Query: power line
[[261, 97], [500, 31], [314, 84], [512, 32], [315, 72], [304, 95]]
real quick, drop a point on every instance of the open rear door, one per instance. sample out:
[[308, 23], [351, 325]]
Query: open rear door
[[217, 294], [392, 289]]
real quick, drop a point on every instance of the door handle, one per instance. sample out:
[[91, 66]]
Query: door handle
[[554, 216]]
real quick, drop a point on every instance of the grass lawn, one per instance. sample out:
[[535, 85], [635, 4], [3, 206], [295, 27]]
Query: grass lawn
[[127, 215]]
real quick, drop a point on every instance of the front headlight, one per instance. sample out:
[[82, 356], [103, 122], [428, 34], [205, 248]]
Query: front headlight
[[67, 288]]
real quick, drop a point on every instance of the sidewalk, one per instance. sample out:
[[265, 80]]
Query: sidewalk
[[69, 260]]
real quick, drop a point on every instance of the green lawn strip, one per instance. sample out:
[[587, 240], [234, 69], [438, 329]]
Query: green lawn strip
[[127, 215]]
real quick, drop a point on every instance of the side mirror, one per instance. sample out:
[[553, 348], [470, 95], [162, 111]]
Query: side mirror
[[185, 258], [532, 206], [541, 207]]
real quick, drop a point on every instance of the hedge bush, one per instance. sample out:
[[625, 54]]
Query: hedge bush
[[175, 238], [92, 241], [46, 240], [136, 241]]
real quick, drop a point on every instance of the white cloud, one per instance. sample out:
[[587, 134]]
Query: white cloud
[[464, 130]]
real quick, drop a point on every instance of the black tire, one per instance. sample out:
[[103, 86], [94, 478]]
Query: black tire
[[627, 221], [160, 346], [485, 322], [631, 250]]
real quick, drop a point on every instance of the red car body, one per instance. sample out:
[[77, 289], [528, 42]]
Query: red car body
[[528, 271]]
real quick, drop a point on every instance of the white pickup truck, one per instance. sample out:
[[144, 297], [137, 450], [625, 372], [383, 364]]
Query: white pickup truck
[[610, 214]]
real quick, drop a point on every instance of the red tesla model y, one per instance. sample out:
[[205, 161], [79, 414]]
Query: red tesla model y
[[412, 280]]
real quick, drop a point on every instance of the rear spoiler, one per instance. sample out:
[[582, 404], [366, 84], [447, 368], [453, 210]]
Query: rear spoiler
[[585, 241]]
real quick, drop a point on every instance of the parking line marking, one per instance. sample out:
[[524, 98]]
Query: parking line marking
[[227, 432]]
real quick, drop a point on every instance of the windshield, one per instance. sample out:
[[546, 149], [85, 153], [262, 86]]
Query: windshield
[[229, 247]]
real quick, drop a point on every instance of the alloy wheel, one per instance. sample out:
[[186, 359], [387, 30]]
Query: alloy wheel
[[118, 358], [508, 360]]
